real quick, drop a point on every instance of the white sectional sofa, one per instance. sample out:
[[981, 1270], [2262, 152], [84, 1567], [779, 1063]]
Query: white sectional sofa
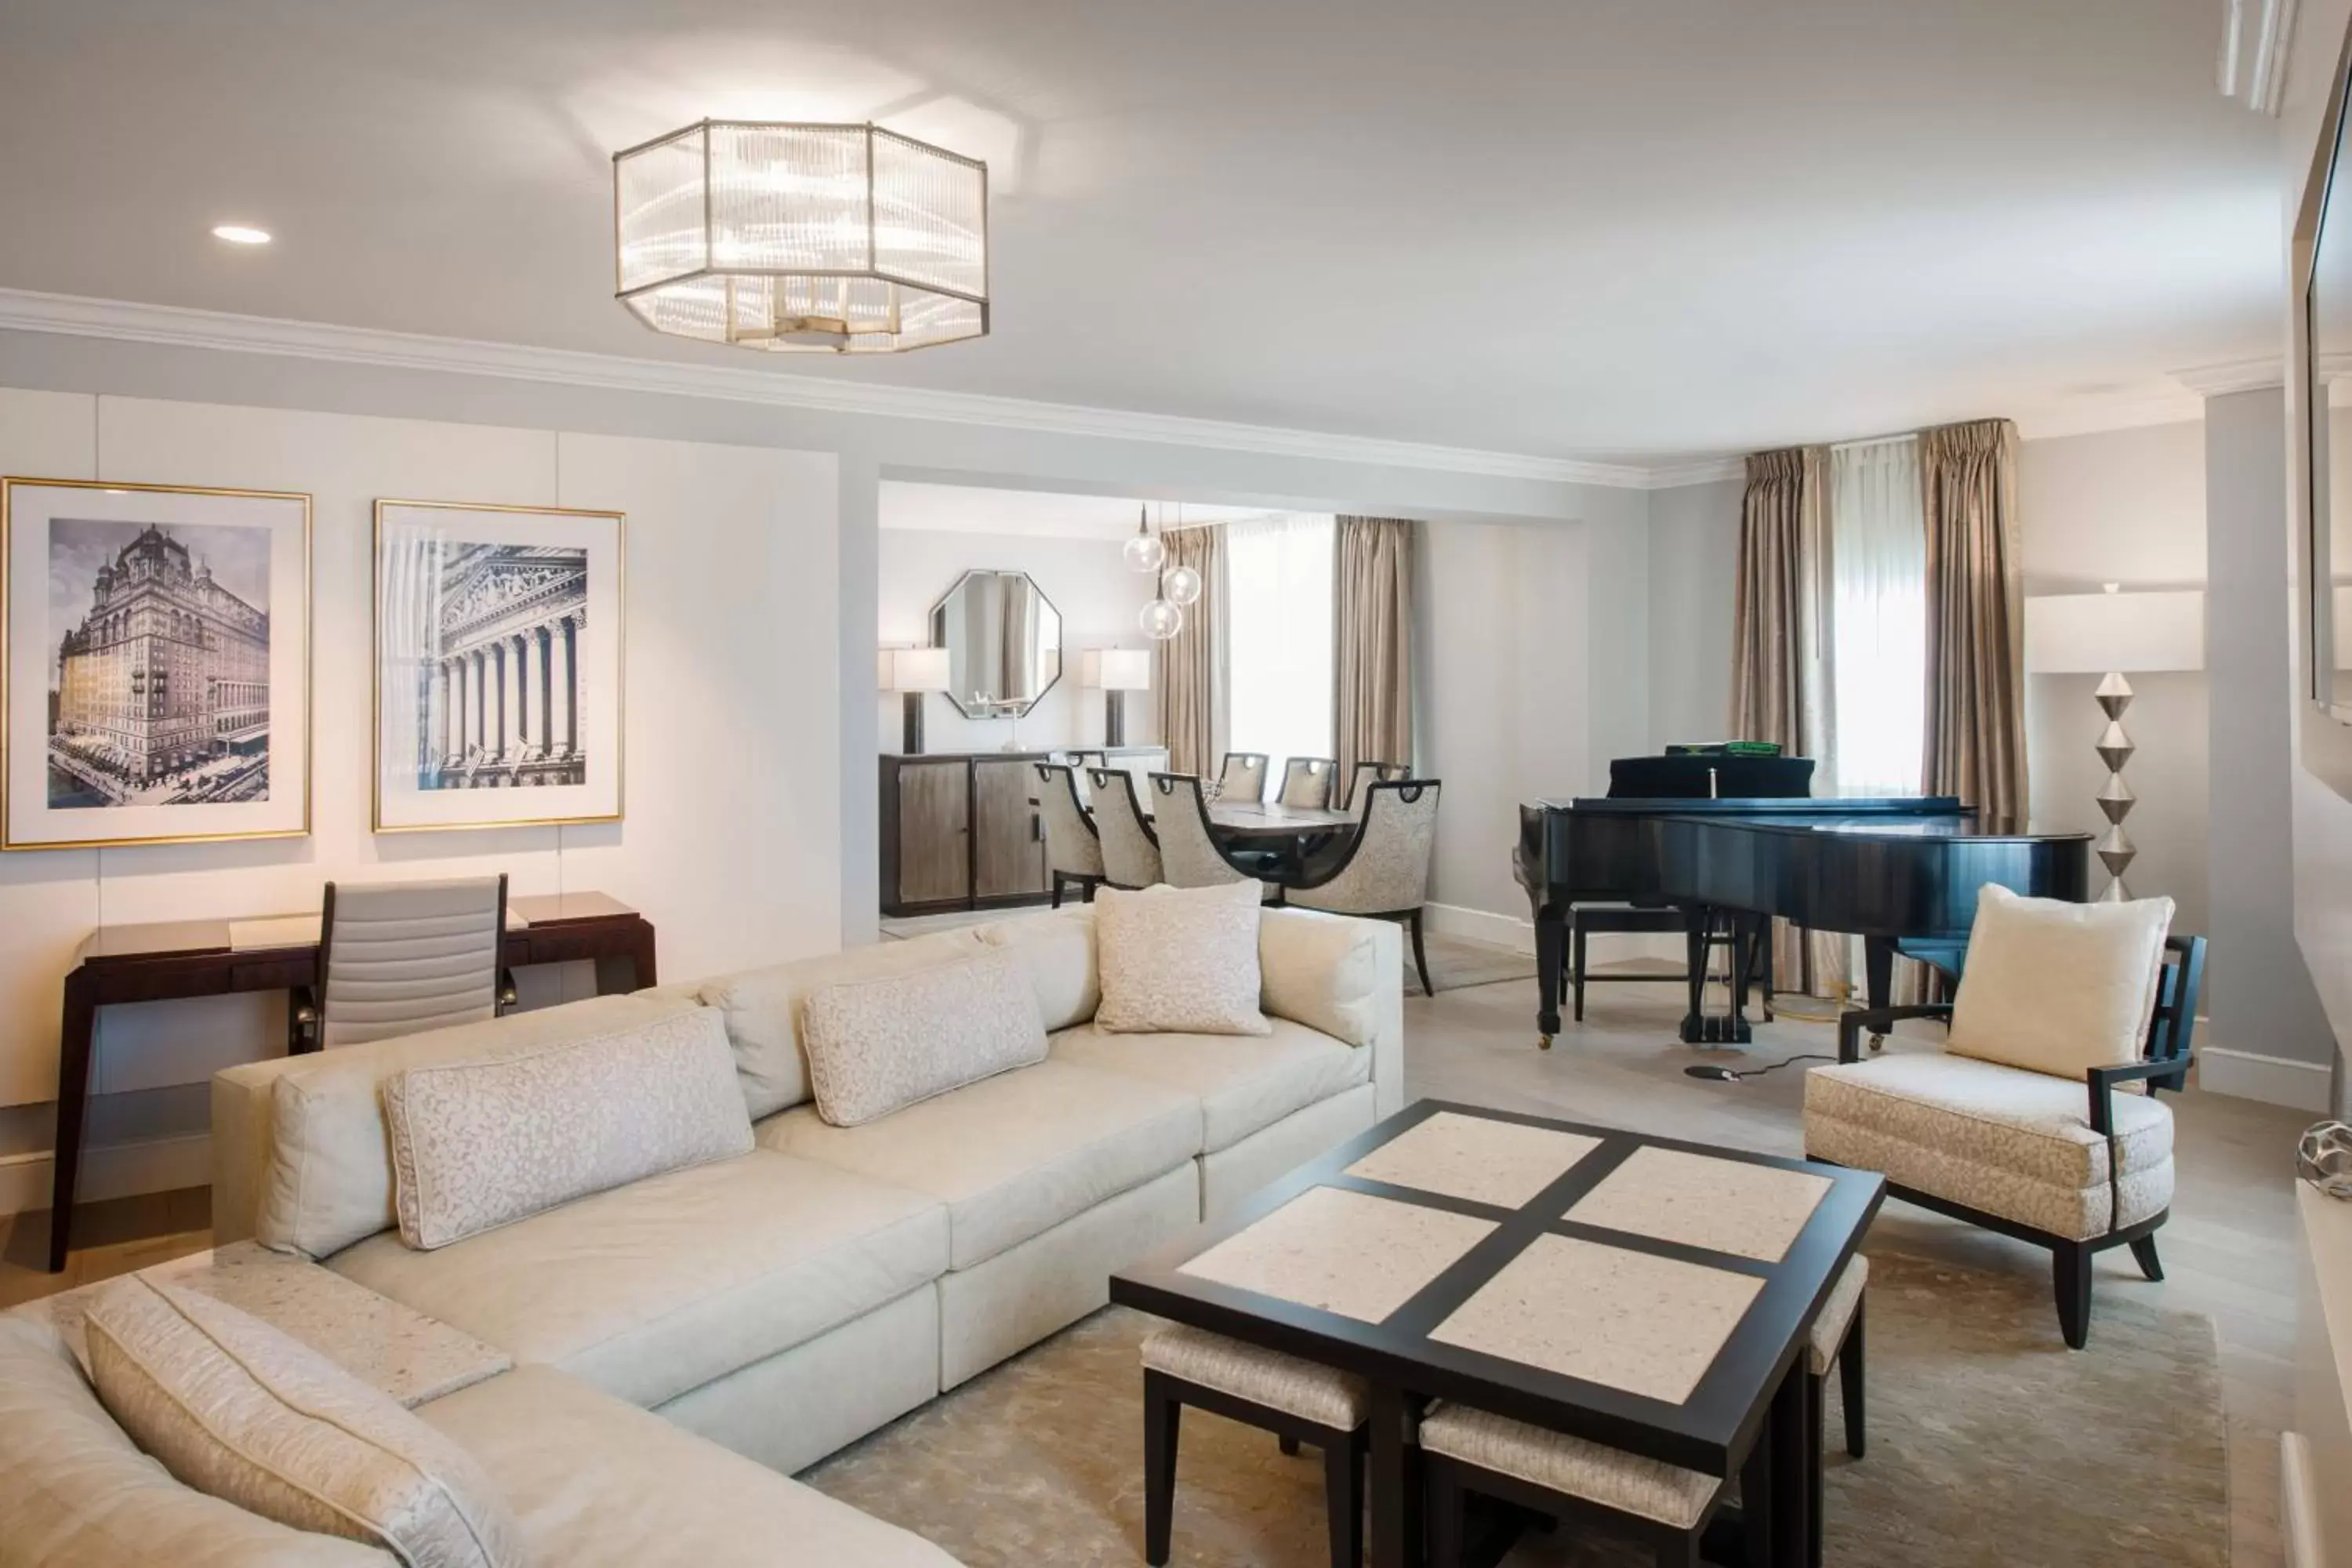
[[785, 1302]]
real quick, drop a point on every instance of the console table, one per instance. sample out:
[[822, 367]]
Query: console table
[[173, 960]]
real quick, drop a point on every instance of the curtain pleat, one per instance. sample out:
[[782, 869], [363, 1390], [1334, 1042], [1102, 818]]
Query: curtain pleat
[[1189, 686], [1372, 642], [1975, 720]]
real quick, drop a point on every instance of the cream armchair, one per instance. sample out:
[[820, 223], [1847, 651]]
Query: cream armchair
[[1383, 871], [2077, 1164]]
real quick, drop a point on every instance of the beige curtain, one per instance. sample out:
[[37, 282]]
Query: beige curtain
[[1976, 622], [1372, 638], [1189, 683], [1781, 677]]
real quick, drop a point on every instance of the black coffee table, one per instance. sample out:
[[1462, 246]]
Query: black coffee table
[[1637, 1291]]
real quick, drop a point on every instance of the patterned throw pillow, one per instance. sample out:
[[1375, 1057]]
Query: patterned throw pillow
[[1180, 961], [243, 1412], [879, 1046], [476, 1145]]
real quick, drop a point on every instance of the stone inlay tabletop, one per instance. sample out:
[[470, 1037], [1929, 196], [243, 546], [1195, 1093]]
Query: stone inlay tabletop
[[1724, 1206], [1648, 1325], [1484, 1160], [1340, 1251]]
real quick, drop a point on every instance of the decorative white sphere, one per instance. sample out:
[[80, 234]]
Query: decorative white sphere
[[1145, 552], [1160, 620], [1182, 585]]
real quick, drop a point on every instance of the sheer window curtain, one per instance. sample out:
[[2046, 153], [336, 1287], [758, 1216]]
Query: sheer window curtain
[[1278, 642], [1878, 599]]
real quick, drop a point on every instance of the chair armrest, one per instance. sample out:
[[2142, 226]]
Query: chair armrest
[[2103, 1082], [1878, 1021]]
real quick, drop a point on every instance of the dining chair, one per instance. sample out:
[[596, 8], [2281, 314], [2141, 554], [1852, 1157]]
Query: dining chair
[[1383, 871], [1073, 848], [1306, 780], [1241, 776], [1189, 853], [1131, 851], [1366, 774], [400, 958], [1083, 763]]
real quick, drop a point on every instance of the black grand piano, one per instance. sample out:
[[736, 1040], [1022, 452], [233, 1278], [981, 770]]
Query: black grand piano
[[1731, 841]]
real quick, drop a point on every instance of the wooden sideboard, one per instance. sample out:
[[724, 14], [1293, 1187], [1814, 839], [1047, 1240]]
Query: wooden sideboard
[[961, 831]]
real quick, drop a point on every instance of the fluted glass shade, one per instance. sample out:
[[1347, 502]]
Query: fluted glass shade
[[802, 239]]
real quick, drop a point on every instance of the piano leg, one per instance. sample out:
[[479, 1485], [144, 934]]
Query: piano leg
[[1551, 950], [1740, 933], [1744, 932], [1878, 975], [1695, 934]]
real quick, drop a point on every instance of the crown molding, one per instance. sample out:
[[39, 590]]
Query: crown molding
[[1693, 471], [2233, 375], [180, 327]]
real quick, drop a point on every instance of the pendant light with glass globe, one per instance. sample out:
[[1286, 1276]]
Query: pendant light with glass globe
[[1162, 618]]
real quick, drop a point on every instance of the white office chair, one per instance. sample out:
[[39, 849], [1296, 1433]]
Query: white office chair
[[400, 958]]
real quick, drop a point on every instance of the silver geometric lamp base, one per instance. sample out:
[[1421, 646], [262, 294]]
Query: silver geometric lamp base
[[2115, 800]]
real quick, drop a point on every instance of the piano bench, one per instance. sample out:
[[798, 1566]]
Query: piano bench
[[1583, 919]]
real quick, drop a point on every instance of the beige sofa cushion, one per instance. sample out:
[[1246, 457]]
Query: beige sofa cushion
[[1329, 972], [879, 1046], [74, 1487], [1057, 950], [658, 1286], [476, 1145], [2056, 987], [762, 1007], [329, 1171], [244, 1413], [594, 1481], [1243, 1083], [1179, 959], [1013, 1156]]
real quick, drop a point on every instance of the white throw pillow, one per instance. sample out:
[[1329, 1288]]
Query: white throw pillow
[[476, 1145], [1180, 961], [2058, 988], [879, 1046], [241, 1412]]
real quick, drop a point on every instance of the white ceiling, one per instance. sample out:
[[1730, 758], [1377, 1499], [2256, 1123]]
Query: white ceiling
[[971, 508], [1609, 228]]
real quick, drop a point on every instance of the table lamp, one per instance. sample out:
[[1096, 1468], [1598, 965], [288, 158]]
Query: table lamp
[[2108, 633], [1114, 671], [914, 671]]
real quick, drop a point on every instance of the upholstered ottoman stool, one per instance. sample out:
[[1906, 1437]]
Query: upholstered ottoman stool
[[1837, 1337], [1296, 1400]]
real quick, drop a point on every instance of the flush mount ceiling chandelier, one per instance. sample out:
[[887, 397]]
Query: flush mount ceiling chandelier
[[802, 237]]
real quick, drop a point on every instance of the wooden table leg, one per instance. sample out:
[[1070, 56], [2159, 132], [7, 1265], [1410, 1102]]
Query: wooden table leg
[[633, 970], [1395, 1481], [1790, 1436], [74, 1034], [1756, 1497]]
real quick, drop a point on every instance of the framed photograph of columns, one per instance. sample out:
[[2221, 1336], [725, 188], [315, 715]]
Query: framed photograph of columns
[[497, 666], [154, 664]]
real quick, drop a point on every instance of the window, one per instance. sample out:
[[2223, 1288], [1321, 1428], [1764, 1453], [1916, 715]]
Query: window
[[1278, 647], [1878, 567]]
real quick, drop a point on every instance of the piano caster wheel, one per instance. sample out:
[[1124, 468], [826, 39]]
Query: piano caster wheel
[[1878, 1042], [1543, 1042]]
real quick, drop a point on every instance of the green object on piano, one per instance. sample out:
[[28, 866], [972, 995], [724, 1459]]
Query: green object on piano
[[1725, 749]]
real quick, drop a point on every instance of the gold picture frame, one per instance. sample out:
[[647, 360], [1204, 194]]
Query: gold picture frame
[[483, 721], [184, 771]]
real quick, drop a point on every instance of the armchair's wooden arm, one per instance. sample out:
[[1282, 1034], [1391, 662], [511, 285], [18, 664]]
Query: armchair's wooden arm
[[2103, 1082], [1878, 1020]]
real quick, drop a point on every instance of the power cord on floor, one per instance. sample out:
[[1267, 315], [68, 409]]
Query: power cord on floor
[[1715, 1073]]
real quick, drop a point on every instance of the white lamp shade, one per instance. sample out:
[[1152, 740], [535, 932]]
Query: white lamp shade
[[1115, 670], [2091, 634], [914, 669]]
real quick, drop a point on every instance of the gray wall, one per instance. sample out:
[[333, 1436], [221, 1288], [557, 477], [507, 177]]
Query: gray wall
[[1694, 558]]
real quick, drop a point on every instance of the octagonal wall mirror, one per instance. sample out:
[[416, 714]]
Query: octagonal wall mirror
[[1004, 639]]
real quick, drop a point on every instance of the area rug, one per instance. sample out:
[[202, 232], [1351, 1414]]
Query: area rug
[[1454, 963], [1991, 1445]]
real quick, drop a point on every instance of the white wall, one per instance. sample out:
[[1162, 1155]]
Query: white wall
[[1087, 581], [1694, 562], [2121, 506], [732, 683]]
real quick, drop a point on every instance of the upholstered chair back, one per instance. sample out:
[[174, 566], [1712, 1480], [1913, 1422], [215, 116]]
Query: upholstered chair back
[[1082, 764], [1242, 777], [1367, 775], [1189, 855], [400, 958], [1072, 845], [1386, 870], [1306, 780], [1130, 854]]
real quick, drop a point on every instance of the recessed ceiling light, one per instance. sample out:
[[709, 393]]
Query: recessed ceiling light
[[238, 234]]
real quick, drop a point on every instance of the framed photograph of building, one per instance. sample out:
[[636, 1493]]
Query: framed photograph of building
[[154, 664], [498, 665]]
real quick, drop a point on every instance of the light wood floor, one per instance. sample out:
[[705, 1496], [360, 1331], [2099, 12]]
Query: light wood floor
[[2229, 1251]]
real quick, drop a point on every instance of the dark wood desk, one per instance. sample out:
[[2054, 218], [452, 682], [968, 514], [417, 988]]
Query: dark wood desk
[[173, 960]]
